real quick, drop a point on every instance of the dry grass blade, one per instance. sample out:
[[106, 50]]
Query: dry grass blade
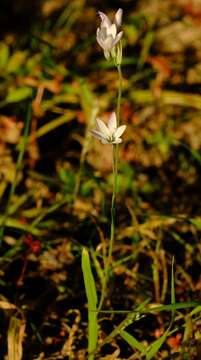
[[5, 305], [15, 338], [168, 98]]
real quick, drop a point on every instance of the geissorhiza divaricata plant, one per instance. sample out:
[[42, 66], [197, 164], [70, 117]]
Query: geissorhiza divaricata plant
[[109, 39]]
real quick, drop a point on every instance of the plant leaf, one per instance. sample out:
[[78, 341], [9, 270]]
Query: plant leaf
[[90, 288], [173, 299], [132, 341], [15, 336], [155, 346], [19, 94]]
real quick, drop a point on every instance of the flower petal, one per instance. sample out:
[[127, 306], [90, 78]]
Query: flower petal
[[112, 123], [100, 33], [97, 135], [118, 17], [108, 43], [107, 54], [104, 141], [100, 37], [102, 128], [117, 38], [112, 30], [104, 18], [119, 131]]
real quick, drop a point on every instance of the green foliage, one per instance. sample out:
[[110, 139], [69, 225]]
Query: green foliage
[[68, 178], [153, 349], [196, 223], [156, 345], [126, 178], [5, 217], [4, 55], [92, 299], [87, 187], [133, 342], [19, 94], [16, 62], [161, 140]]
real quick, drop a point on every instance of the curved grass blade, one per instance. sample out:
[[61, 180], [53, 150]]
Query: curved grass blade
[[131, 317], [132, 341], [90, 288], [196, 310], [151, 351], [155, 346]]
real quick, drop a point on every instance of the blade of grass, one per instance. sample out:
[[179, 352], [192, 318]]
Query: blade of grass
[[50, 126], [146, 46], [196, 223], [16, 224], [15, 337], [132, 341], [91, 294], [167, 98], [98, 267], [156, 345], [130, 318], [47, 211], [173, 299], [196, 310], [19, 202], [153, 309]]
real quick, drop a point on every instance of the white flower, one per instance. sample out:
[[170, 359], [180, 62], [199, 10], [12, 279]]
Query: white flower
[[108, 134], [107, 35]]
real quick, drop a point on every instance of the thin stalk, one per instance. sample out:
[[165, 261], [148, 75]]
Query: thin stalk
[[113, 204], [18, 166], [115, 171], [112, 227], [114, 193], [119, 94]]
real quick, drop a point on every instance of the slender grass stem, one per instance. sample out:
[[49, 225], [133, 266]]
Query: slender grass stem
[[112, 226], [113, 204], [119, 94], [115, 172], [114, 193], [18, 166]]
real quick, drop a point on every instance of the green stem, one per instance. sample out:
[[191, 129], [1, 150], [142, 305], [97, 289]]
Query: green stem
[[113, 204], [112, 227], [114, 193], [119, 94], [115, 171]]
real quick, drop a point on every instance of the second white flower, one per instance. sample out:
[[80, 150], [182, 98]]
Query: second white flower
[[109, 134]]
